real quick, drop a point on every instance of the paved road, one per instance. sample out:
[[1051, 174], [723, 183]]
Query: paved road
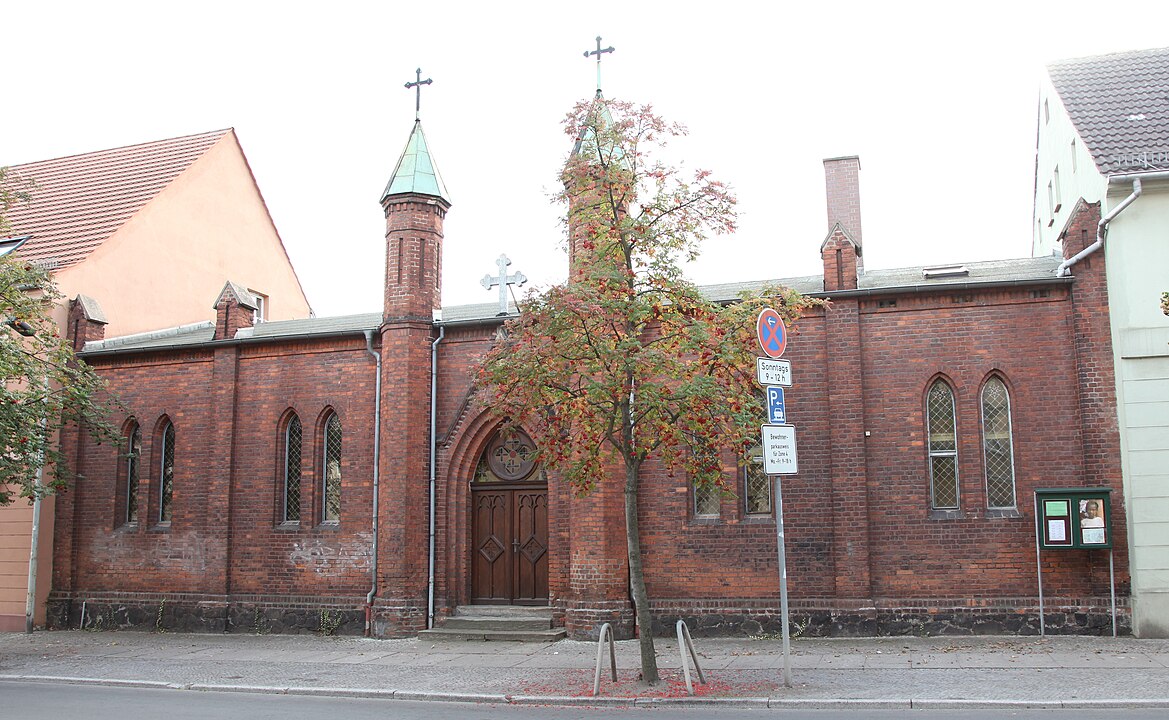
[[885, 673], [44, 701]]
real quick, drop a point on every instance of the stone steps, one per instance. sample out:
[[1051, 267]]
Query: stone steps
[[497, 622]]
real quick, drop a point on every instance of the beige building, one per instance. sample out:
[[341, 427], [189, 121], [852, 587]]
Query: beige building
[[1104, 137], [147, 234]]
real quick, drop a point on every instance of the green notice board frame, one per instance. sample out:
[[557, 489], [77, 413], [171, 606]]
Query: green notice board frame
[[1073, 519]]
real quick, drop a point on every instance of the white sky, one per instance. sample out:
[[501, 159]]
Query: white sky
[[937, 99]]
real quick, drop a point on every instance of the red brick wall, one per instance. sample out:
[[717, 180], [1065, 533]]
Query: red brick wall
[[861, 537], [863, 367], [229, 474]]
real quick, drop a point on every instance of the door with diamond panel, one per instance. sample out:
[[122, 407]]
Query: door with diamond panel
[[509, 524], [509, 562]]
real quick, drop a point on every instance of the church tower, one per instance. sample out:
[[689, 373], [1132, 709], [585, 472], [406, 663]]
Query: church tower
[[415, 202]]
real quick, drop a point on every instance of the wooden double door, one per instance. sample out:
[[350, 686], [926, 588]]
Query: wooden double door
[[509, 549]]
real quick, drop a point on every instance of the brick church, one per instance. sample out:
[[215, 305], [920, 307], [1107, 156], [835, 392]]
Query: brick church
[[336, 474]]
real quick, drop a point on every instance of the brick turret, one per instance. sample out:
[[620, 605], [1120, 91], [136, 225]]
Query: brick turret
[[415, 204]]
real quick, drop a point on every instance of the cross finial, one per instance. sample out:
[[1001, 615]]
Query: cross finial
[[598, 52], [417, 85], [503, 280]]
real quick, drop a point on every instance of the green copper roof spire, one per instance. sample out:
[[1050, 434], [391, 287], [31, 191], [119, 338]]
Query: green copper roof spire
[[416, 171]]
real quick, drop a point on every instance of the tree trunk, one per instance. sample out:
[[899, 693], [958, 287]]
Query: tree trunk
[[649, 659]]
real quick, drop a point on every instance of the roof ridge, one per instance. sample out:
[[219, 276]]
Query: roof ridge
[[209, 133], [149, 335]]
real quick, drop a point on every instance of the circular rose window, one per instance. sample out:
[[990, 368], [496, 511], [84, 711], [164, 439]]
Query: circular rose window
[[510, 456]]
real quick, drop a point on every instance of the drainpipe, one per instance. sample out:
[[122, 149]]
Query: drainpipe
[[1101, 230], [433, 457], [377, 437], [30, 601]]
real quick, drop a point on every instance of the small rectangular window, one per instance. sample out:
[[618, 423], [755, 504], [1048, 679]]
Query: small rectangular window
[[706, 500], [756, 484], [261, 313], [1075, 161]]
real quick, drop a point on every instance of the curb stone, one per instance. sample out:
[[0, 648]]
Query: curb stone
[[610, 701]]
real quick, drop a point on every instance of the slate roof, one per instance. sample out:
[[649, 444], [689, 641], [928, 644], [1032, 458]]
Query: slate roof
[[1119, 104], [1018, 271], [81, 200]]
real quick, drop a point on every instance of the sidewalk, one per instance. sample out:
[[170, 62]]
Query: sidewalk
[[899, 672]]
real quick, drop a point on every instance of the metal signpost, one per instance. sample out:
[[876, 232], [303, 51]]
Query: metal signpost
[[779, 445]]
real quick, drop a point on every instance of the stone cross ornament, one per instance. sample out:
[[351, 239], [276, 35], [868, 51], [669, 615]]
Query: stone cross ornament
[[503, 280]]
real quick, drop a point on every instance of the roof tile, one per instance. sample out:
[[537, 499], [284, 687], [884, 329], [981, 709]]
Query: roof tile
[[81, 200], [1119, 104]]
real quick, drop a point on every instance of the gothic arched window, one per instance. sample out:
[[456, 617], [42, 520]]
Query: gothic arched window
[[997, 446], [943, 446], [331, 486], [166, 474], [292, 442], [131, 459]]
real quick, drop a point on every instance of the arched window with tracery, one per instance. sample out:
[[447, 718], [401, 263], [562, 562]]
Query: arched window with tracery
[[943, 446], [331, 484], [293, 435], [997, 444], [166, 474], [130, 469]]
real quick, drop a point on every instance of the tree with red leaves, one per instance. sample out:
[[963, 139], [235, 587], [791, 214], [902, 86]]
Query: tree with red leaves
[[627, 360]]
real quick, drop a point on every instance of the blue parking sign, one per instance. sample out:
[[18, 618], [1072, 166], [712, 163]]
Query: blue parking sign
[[776, 414]]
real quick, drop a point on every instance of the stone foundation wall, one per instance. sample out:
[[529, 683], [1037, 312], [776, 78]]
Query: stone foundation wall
[[205, 614], [1088, 616]]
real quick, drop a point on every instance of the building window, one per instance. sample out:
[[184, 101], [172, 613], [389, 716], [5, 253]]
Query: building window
[[997, 448], [1055, 186], [331, 497], [943, 447], [133, 455], [1075, 161], [706, 500], [261, 313], [756, 484], [1046, 111], [166, 475], [292, 440]]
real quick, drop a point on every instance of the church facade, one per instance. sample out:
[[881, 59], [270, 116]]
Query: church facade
[[339, 474]]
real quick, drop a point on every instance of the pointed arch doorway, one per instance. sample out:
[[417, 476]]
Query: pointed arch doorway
[[509, 524]]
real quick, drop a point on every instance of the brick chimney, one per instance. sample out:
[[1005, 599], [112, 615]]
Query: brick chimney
[[234, 309], [87, 322], [842, 248]]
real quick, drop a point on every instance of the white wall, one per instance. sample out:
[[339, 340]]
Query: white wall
[[1059, 147], [1137, 249]]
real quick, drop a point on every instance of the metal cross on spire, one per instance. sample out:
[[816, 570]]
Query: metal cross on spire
[[417, 85], [598, 52], [503, 280]]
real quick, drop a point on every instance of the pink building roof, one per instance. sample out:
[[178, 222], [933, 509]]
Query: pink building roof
[[80, 201]]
